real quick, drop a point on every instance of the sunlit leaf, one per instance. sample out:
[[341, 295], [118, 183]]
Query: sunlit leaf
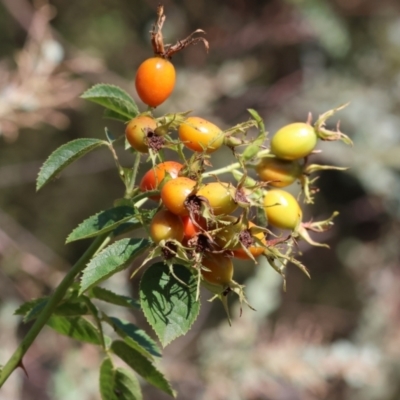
[[64, 156], [101, 222], [110, 114], [113, 98], [114, 298], [111, 260]]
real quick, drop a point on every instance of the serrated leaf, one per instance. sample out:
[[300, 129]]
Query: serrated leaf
[[101, 222], [69, 309], [32, 309], [118, 384], [110, 114], [75, 327], [111, 260], [64, 156], [114, 298], [26, 307], [113, 98], [126, 385], [106, 379], [125, 228], [142, 366], [36, 309], [136, 338], [169, 306]]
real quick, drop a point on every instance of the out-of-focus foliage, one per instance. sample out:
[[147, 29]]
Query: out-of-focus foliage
[[333, 337]]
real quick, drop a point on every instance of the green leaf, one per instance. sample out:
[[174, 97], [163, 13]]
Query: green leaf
[[75, 327], [169, 305], [64, 156], [114, 298], [261, 217], [32, 309], [142, 366], [125, 228], [113, 98], [26, 307], [256, 116], [136, 338], [126, 174], [255, 146], [118, 384], [35, 311], [111, 260], [252, 149], [101, 222], [106, 379], [110, 114], [71, 308]]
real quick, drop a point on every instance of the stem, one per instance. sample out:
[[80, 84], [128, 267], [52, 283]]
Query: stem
[[132, 181], [145, 195], [180, 152], [233, 166], [106, 241], [16, 358], [220, 171], [115, 157]]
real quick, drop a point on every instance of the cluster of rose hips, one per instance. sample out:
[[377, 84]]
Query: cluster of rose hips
[[201, 221]]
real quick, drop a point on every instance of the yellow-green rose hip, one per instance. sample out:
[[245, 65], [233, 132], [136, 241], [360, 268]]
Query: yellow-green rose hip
[[282, 209], [294, 141]]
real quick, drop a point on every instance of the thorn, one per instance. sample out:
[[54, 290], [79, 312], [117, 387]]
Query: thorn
[[21, 365]]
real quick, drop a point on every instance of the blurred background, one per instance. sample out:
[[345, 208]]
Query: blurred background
[[333, 337]]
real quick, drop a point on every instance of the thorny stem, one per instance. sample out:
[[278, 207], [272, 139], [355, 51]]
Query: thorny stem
[[16, 359]]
